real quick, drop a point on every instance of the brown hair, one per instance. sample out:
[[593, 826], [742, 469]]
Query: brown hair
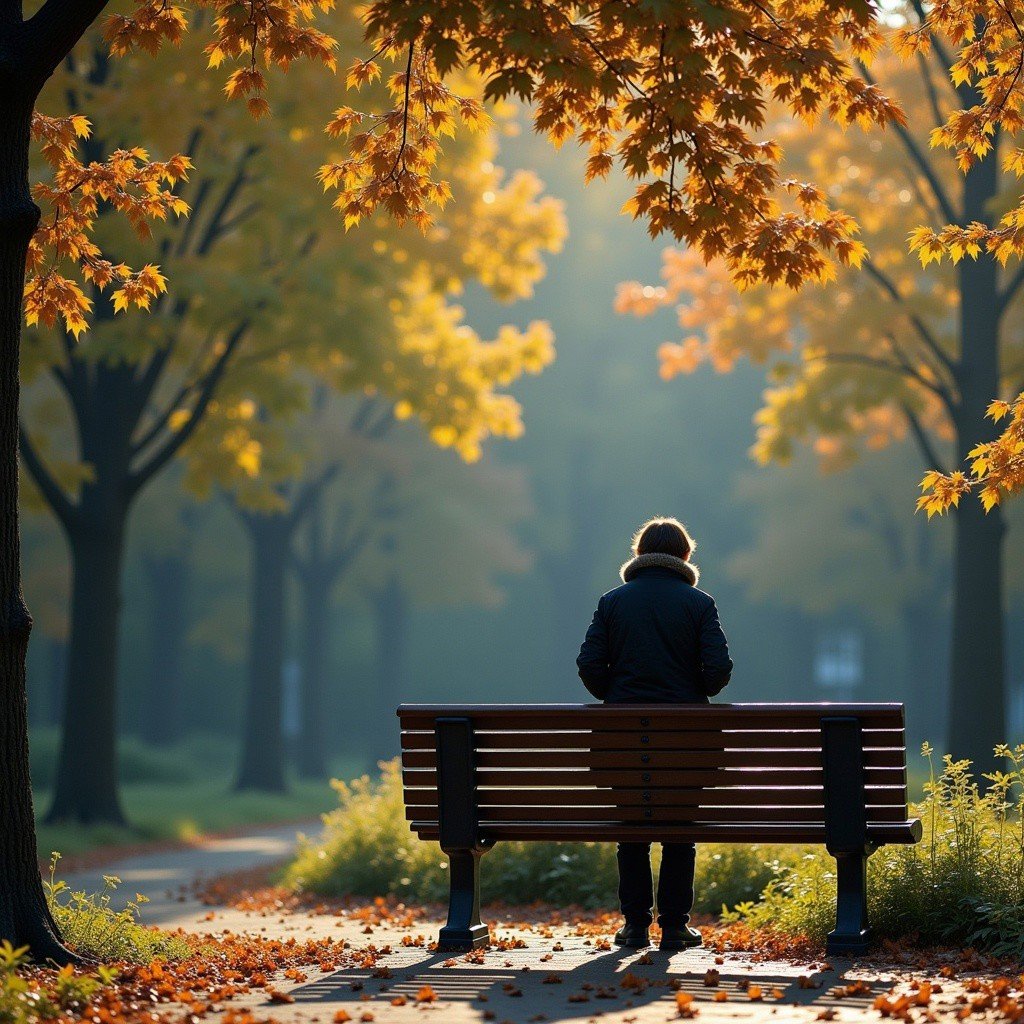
[[663, 535]]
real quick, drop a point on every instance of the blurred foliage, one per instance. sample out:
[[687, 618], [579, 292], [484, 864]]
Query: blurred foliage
[[368, 849], [962, 885]]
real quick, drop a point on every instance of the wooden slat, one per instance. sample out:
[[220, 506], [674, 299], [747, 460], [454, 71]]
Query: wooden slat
[[889, 758], [769, 716], [737, 815], [627, 797], [655, 778], [568, 832], [678, 739]]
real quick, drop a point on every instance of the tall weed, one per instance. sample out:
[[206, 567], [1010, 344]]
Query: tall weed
[[962, 884]]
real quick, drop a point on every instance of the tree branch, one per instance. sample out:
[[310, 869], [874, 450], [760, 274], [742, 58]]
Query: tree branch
[[173, 444], [920, 160], [55, 495], [311, 492], [889, 287], [52, 32], [924, 444], [1005, 297]]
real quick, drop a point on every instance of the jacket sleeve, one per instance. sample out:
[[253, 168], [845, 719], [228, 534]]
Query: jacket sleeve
[[716, 665], [593, 657]]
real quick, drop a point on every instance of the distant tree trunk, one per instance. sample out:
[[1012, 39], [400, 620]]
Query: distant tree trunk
[[56, 677], [24, 917], [391, 615], [925, 628], [310, 754], [86, 784], [977, 720], [167, 615], [261, 765]]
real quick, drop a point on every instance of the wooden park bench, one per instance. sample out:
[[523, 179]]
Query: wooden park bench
[[477, 774]]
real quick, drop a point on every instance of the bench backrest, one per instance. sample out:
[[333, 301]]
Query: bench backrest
[[746, 772]]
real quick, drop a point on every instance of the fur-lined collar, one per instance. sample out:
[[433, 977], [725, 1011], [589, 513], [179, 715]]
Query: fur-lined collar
[[656, 560]]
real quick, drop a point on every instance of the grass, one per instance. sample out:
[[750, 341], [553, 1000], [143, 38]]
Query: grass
[[177, 794]]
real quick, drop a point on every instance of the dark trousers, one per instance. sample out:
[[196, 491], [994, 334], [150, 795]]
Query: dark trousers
[[675, 883]]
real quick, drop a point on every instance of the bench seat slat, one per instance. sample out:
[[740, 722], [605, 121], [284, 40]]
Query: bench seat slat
[[677, 739], [655, 778], [904, 832], [890, 796], [653, 815], [894, 757]]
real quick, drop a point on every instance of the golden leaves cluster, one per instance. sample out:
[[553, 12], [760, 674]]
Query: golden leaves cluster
[[996, 468], [265, 33], [988, 41], [448, 376], [674, 96], [127, 182], [392, 156]]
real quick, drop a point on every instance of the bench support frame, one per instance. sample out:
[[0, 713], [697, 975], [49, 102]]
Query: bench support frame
[[457, 814], [846, 832]]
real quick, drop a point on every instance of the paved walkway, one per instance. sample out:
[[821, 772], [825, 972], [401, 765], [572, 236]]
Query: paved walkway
[[534, 974], [168, 876]]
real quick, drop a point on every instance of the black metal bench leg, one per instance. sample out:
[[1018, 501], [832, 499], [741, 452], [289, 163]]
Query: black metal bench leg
[[464, 930], [852, 933]]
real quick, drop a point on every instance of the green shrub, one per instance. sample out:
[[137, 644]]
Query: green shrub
[[367, 849], [963, 884], [92, 927]]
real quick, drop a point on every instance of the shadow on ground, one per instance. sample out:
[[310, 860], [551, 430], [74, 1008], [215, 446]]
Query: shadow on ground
[[574, 985]]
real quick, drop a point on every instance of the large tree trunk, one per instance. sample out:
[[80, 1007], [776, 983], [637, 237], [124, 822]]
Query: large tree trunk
[[168, 579], [261, 765], [391, 615], [86, 788], [977, 667], [24, 916], [310, 754]]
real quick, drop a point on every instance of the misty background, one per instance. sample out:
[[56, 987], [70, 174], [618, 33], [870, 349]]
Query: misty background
[[829, 587]]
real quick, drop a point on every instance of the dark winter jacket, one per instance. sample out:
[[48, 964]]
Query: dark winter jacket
[[656, 638]]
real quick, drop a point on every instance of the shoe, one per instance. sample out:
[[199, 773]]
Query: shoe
[[632, 936], [680, 938]]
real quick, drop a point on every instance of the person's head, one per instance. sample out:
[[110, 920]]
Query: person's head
[[663, 535]]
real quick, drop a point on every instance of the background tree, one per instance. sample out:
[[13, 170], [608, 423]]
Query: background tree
[[136, 393], [893, 351]]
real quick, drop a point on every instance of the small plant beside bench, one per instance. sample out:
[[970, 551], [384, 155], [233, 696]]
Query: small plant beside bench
[[835, 774]]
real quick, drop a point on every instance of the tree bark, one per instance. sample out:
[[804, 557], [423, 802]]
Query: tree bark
[[87, 788], [310, 755], [261, 765], [168, 578], [391, 614], [24, 916], [977, 719]]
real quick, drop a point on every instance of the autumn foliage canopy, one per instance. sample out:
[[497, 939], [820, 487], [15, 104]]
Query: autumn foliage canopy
[[676, 95]]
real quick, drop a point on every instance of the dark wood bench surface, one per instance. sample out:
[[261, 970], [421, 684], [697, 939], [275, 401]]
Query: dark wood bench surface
[[724, 772]]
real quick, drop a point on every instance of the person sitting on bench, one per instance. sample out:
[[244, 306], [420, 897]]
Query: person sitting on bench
[[656, 639]]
